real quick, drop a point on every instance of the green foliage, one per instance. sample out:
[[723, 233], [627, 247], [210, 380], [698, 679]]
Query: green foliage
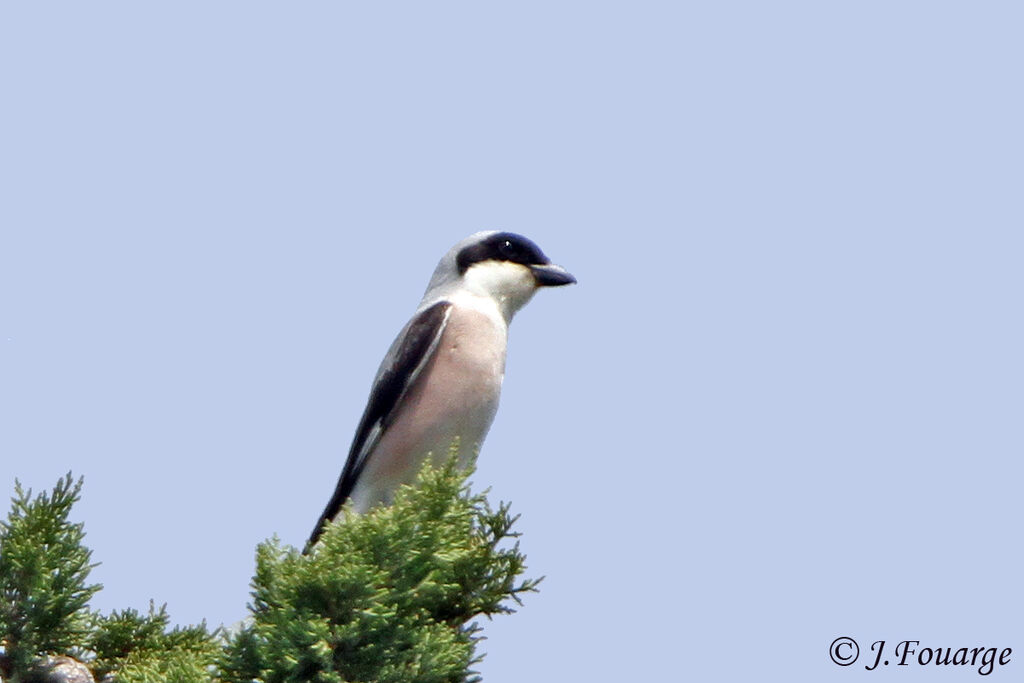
[[140, 648], [43, 573], [44, 599], [388, 596]]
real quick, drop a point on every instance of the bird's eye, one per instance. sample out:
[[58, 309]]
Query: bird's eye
[[508, 249]]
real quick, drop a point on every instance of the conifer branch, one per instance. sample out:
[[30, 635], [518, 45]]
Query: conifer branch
[[389, 596]]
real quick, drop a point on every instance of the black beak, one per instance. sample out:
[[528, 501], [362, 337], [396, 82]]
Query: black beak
[[550, 275]]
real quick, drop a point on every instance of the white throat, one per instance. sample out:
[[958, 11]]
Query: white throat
[[509, 285]]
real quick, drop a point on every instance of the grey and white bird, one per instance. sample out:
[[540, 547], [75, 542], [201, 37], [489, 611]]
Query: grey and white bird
[[442, 376]]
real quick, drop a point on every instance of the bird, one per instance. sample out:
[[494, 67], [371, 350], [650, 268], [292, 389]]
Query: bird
[[438, 386]]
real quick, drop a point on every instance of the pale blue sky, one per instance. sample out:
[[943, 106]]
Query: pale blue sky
[[782, 405]]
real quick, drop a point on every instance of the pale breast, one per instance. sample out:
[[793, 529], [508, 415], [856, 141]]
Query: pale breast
[[456, 395]]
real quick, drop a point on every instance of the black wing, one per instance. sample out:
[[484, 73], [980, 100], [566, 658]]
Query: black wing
[[402, 365]]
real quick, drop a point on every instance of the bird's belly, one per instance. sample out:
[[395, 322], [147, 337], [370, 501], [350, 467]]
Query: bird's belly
[[455, 397]]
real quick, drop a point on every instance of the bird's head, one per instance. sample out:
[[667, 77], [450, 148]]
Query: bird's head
[[504, 266]]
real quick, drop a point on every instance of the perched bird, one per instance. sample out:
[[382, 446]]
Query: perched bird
[[441, 378]]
